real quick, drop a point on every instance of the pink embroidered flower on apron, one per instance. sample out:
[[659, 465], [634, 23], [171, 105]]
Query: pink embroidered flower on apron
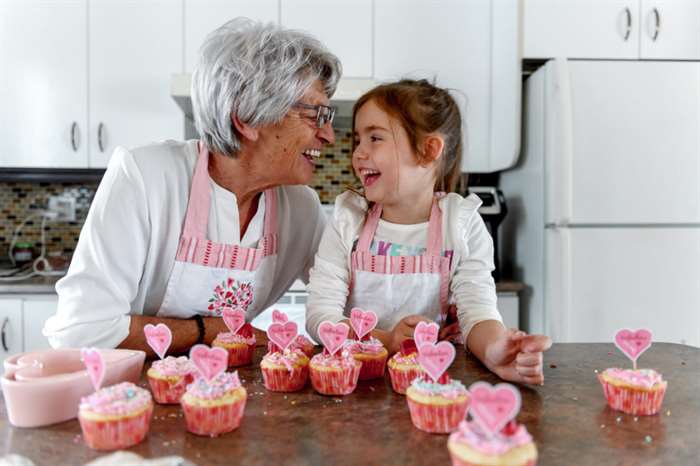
[[230, 294]]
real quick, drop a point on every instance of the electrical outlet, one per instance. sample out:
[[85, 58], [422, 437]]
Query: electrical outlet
[[64, 206]]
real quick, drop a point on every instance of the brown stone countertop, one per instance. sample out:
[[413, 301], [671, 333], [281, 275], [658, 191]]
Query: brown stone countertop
[[567, 417]]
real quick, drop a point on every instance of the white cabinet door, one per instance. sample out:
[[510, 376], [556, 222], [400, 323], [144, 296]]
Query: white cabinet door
[[36, 311], [344, 26], [10, 327], [670, 29], [135, 46], [203, 16], [451, 41], [43, 85], [581, 28]]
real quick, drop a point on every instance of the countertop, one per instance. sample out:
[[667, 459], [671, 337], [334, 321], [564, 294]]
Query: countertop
[[568, 418]]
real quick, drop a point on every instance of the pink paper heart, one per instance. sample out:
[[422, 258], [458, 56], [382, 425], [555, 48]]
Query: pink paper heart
[[362, 322], [279, 317], [210, 361], [425, 333], [633, 343], [333, 335], [435, 358], [95, 365], [159, 337], [233, 318], [282, 334], [494, 406]]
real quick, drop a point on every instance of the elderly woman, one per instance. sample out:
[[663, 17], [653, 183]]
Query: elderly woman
[[177, 229]]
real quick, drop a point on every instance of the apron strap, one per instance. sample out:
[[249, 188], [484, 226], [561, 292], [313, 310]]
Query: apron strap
[[270, 227], [434, 246], [197, 216], [369, 228]]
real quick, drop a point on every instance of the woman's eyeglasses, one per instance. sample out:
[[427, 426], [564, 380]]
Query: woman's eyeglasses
[[324, 113]]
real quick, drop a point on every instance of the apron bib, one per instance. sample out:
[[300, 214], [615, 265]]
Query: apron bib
[[397, 286], [207, 276]]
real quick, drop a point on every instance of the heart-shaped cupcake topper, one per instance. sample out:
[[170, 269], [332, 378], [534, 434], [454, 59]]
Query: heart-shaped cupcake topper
[[209, 361], [633, 342], [159, 337], [493, 406], [425, 333], [233, 318], [95, 365], [333, 335], [435, 358], [282, 335], [279, 317], [362, 322]]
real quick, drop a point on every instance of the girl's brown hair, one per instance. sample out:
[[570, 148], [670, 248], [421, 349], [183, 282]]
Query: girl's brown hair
[[423, 108]]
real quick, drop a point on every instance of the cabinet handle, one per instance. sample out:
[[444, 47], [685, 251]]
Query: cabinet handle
[[4, 342], [100, 128], [657, 24], [73, 142], [628, 30]]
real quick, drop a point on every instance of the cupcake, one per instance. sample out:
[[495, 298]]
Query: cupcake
[[471, 445], [115, 417], [239, 344], [633, 391], [285, 371], [437, 406], [371, 353], [403, 367], [214, 407], [334, 374], [169, 378]]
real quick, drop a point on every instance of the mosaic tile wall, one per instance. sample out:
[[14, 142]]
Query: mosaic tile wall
[[20, 199]]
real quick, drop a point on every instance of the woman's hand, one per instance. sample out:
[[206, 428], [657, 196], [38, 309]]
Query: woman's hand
[[517, 357], [401, 331]]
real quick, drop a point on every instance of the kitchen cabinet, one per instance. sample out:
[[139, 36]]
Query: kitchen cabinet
[[10, 327], [203, 16], [469, 47], [36, 310], [612, 29], [124, 74], [344, 26]]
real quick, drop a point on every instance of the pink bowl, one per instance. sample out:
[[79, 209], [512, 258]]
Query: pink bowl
[[45, 387]]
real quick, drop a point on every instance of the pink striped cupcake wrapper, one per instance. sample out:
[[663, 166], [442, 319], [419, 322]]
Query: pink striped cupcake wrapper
[[631, 401], [372, 368], [165, 392], [335, 382], [401, 379], [116, 434], [283, 380], [437, 419], [213, 420], [239, 355]]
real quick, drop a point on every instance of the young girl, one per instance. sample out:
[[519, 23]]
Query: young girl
[[405, 249]]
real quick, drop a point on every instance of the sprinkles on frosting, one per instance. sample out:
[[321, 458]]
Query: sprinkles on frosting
[[341, 360], [120, 399], [371, 345], [172, 366], [451, 390], [646, 378], [214, 388], [229, 337], [496, 444]]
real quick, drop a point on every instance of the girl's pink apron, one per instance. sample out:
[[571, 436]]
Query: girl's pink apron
[[397, 286], [209, 276]]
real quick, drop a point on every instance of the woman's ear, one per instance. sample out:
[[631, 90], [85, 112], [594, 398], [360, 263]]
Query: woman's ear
[[244, 129], [433, 146]]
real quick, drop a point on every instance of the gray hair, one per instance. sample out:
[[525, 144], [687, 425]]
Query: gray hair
[[256, 72]]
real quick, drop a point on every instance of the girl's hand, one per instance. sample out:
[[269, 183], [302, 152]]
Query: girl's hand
[[401, 331], [517, 357]]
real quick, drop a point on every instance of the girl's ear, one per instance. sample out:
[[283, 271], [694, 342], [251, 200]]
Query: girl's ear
[[433, 146], [244, 129]]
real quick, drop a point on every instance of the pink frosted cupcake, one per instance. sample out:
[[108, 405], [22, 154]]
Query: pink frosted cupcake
[[633, 391], [115, 417], [403, 367], [240, 345], [470, 445], [285, 371], [372, 354], [437, 407], [334, 374], [169, 378], [216, 406]]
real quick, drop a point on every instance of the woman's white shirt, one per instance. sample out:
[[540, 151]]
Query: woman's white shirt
[[465, 237], [128, 243]]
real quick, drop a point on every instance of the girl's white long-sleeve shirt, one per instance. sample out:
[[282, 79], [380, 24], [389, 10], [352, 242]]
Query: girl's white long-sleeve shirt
[[465, 238]]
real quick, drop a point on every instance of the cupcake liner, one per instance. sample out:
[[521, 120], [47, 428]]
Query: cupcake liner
[[372, 368], [437, 419], [401, 378], [335, 382], [167, 392], [116, 434], [633, 401], [283, 380], [238, 355], [213, 420]]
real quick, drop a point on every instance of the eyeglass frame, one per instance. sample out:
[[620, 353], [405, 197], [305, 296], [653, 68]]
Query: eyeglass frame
[[321, 118]]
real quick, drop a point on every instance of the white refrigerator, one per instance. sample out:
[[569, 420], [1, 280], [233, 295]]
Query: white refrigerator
[[604, 203]]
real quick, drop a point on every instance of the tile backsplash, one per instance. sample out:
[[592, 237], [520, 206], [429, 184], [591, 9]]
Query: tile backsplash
[[21, 199]]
